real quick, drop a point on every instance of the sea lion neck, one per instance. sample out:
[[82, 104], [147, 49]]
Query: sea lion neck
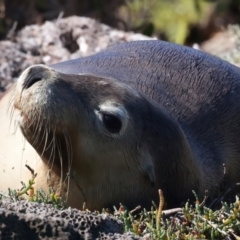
[[165, 135]]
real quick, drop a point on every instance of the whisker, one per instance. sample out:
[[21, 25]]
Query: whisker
[[46, 139], [61, 162], [36, 141], [10, 103], [31, 123], [69, 158], [36, 129], [15, 127]]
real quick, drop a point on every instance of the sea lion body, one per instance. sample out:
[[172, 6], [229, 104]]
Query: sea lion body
[[128, 121]]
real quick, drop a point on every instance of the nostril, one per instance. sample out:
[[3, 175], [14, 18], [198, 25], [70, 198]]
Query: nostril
[[30, 81]]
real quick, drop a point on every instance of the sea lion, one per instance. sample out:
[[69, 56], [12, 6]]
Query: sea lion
[[121, 124]]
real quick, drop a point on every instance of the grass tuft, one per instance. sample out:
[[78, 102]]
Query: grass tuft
[[189, 222]]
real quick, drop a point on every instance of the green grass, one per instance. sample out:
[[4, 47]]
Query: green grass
[[189, 222], [27, 191]]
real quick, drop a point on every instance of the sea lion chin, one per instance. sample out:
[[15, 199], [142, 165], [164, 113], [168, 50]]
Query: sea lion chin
[[121, 124]]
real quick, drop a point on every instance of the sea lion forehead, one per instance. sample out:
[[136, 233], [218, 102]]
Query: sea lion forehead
[[108, 86]]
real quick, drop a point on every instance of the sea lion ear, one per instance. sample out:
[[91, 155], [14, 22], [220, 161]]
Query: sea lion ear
[[147, 166]]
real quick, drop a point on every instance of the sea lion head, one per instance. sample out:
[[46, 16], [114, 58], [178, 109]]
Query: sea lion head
[[106, 138]]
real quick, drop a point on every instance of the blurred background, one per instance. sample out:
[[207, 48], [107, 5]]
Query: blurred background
[[180, 21]]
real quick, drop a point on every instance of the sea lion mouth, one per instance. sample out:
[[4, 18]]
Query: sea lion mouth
[[52, 144], [39, 117]]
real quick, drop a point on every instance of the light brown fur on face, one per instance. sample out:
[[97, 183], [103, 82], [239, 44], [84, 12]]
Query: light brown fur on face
[[119, 125]]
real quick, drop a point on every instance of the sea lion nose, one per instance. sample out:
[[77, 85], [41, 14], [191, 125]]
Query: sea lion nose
[[30, 81], [32, 75], [35, 75]]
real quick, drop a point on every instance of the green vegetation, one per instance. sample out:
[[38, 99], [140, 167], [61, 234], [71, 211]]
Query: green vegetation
[[170, 17], [189, 222], [198, 222], [35, 196], [174, 20]]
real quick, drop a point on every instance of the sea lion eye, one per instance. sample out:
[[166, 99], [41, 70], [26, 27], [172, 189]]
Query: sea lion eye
[[112, 123]]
